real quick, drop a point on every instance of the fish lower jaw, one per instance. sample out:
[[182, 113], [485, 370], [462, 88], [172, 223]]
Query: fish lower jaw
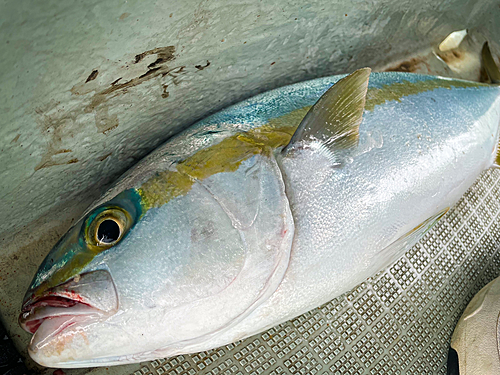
[[54, 343], [56, 335]]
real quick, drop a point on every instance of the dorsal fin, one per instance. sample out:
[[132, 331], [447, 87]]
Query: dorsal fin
[[334, 119], [489, 64]]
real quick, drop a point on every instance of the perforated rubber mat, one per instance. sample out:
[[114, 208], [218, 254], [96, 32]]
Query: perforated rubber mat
[[398, 322]]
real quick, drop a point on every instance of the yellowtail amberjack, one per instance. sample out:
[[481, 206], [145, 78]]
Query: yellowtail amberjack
[[259, 213]]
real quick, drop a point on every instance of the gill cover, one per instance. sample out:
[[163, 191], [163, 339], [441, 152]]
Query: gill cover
[[230, 241]]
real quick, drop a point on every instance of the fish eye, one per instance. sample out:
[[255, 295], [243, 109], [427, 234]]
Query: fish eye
[[107, 228], [108, 231]]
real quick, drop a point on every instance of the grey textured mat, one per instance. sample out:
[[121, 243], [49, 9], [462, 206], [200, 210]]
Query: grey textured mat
[[398, 322]]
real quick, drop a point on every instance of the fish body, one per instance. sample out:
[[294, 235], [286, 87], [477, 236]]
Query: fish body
[[242, 221]]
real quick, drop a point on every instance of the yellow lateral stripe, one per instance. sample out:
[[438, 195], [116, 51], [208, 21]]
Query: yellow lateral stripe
[[396, 91], [227, 155]]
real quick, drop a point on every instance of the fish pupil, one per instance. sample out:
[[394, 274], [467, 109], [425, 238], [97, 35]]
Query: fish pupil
[[108, 231]]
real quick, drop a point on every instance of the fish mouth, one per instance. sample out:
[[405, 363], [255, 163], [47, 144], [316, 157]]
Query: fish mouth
[[90, 295]]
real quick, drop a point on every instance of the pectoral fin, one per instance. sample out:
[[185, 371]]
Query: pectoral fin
[[407, 240], [335, 118]]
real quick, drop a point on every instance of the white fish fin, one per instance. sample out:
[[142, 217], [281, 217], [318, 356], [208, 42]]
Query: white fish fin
[[489, 64], [407, 240], [335, 118]]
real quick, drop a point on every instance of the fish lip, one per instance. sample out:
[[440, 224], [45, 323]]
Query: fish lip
[[62, 301], [50, 298], [32, 314]]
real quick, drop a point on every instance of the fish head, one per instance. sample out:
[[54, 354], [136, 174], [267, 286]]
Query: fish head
[[71, 289], [134, 281]]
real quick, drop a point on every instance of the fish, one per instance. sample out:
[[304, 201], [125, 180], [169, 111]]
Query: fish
[[259, 213]]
